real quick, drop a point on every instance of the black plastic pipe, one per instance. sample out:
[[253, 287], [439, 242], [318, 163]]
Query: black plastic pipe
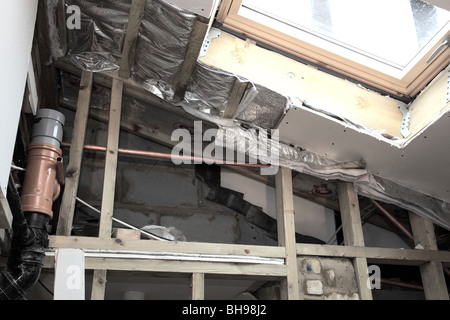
[[29, 240]]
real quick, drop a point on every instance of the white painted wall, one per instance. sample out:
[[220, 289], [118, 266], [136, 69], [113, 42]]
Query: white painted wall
[[17, 22], [311, 219], [381, 238]]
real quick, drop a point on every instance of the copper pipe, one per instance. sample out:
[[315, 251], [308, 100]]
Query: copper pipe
[[401, 227], [447, 271], [393, 220], [402, 284], [166, 156]]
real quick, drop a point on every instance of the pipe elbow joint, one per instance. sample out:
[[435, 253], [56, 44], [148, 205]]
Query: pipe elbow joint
[[26, 259]]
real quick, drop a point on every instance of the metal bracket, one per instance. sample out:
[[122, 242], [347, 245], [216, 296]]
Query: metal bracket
[[213, 33], [448, 85], [406, 121], [441, 47]]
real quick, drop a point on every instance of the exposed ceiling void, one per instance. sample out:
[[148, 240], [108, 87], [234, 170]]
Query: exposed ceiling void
[[155, 124], [246, 67], [220, 87], [315, 112]]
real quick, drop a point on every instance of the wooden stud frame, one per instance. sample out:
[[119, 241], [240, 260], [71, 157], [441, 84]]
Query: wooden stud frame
[[432, 272], [288, 250], [286, 232], [109, 185], [197, 286], [131, 37], [353, 234], [75, 157]]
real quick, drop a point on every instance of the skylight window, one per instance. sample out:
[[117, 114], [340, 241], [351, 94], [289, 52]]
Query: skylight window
[[393, 32], [385, 42]]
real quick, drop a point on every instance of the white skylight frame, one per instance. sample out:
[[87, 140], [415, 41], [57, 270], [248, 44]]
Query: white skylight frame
[[405, 81]]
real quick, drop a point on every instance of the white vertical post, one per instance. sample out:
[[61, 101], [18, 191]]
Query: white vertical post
[[69, 275]]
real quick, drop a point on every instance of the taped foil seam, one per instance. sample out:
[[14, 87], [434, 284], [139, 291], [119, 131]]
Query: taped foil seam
[[208, 96], [428, 207], [366, 184]]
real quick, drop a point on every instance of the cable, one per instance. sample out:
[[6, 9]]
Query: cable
[[46, 289], [153, 236], [150, 235]]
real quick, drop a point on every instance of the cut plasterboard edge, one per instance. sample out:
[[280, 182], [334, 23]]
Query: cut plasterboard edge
[[346, 124], [419, 167], [444, 113], [432, 103], [204, 8]]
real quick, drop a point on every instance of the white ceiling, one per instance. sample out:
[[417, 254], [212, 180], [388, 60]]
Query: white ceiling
[[421, 166]]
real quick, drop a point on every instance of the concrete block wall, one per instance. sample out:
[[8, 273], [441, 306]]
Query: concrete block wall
[[327, 279], [320, 279]]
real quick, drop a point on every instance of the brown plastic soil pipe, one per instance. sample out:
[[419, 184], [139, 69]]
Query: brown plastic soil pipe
[[44, 172], [40, 186], [33, 210]]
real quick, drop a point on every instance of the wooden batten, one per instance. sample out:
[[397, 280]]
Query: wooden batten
[[432, 272], [99, 284], [353, 234], [286, 232], [109, 185], [236, 95], [190, 61], [131, 37], [157, 246], [75, 157], [197, 284]]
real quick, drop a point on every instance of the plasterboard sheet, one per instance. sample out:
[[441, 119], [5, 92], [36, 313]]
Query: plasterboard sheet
[[204, 8], [421, 166]]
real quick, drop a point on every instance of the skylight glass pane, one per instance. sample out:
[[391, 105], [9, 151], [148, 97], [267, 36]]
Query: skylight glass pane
[[390, 31]]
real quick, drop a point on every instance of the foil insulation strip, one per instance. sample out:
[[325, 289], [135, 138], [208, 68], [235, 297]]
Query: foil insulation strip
[[162, 45], [97, 46]]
